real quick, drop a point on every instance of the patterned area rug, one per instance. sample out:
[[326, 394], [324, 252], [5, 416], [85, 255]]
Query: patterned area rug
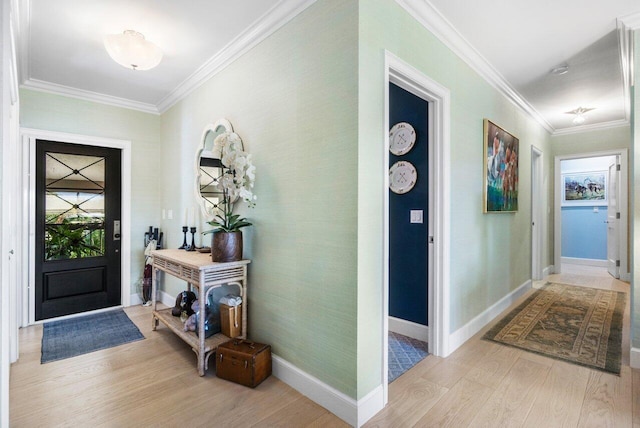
[[576, 324], [76, 336], [404, 353]]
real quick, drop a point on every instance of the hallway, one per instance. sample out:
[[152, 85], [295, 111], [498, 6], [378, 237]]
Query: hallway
[[487, 384]]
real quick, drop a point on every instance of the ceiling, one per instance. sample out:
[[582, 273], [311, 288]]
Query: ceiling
[[519, 41]]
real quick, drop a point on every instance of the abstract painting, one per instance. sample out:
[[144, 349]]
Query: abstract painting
[[500, 169]]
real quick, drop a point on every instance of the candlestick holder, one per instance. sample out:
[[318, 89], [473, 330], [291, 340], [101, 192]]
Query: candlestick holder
[[192, 247], [184, 241]]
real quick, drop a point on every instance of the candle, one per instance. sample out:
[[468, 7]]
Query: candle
[[184, 218], [192, 220]]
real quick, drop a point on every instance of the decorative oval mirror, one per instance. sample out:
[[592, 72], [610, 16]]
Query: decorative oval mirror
[[209, 169]]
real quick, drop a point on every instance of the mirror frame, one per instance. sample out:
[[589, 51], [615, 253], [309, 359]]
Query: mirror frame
[[218, 127]]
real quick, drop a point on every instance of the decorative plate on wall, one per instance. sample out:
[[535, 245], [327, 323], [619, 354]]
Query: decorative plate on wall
[[402, 177], [402, 137]]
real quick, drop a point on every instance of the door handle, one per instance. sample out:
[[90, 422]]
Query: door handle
[[116, 230]]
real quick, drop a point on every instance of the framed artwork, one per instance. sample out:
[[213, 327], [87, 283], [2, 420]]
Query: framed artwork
[[501, 151], [584, 188]]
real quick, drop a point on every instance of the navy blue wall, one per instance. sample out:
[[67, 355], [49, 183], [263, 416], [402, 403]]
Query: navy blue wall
[[584, 233], [407, 241]]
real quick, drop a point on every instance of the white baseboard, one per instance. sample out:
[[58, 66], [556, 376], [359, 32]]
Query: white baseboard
[[464, 333], [167, 299], [634, 358], [584, 262], [626, 277], [164, 298], [353, 412], [548, 270], [409, 328]]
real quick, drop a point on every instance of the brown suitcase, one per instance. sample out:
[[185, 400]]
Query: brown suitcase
[[244, 362]]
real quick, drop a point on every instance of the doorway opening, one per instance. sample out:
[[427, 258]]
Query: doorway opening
[[436, 259], [537, 215], [119, 249], [591, 212], [78, 217]]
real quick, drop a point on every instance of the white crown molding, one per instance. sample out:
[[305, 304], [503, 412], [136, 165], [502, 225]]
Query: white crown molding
[[592, 127], [626, 25], [267, 24], [263, 27], [54, 88], [632, 21], [436, 23]]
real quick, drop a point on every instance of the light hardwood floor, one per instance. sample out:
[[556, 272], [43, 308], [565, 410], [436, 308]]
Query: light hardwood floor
[[484, 384], [154, 383], [149, 383]]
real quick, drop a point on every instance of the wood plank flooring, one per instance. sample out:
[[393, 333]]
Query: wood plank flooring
[[484, 384], [154, 382]]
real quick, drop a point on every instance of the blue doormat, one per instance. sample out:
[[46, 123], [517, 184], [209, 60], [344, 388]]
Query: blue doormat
[[77, 336], [404, 353]]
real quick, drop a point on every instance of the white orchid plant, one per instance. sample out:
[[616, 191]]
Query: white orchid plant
[[236, 182]]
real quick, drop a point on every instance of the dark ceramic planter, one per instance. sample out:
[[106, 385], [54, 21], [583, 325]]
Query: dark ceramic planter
[[226, 246]]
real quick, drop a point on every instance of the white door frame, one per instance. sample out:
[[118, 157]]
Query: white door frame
[[537, 216], [29, 137], [407, 77], [624, 206]]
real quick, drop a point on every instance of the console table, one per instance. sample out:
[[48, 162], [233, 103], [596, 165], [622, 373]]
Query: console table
[[200, 272]]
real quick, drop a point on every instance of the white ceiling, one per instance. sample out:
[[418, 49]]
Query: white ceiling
[[61, 48]]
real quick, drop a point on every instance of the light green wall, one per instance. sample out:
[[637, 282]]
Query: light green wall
[[292, 99], [490, 253], [591, 141], [50, 112]]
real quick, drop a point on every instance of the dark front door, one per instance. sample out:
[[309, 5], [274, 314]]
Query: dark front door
[[77, 228]]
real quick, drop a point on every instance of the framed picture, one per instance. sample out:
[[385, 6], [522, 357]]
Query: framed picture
[[584, 188], [501, 151]]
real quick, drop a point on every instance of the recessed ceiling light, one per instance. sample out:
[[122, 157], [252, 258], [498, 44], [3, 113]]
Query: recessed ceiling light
[[561, 69]]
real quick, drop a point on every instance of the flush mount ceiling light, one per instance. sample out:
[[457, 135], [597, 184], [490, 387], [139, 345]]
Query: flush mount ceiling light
[[579, 114], [131, 50]]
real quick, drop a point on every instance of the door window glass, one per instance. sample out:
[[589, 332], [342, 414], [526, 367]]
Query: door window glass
[[74, 206]]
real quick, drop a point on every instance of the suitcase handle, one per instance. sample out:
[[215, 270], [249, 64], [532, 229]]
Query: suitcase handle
[[251, 344]]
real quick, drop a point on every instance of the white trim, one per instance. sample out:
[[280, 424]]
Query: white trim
[[623, 203], [406, 76], [548, 271], [632, 20], [538, 207], [412, 80], [81, 94], [263, 27], [408, 328], [338, 403], [370, 405], [29, 136], [592, 127], [80, 314], [634, 358], [467, 331], [431, 18], [584, 262]]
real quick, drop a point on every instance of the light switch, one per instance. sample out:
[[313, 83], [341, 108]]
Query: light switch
[[169, 214], [416, 216]]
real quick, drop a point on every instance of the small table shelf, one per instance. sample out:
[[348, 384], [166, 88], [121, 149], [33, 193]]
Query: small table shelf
[[200, 272]]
